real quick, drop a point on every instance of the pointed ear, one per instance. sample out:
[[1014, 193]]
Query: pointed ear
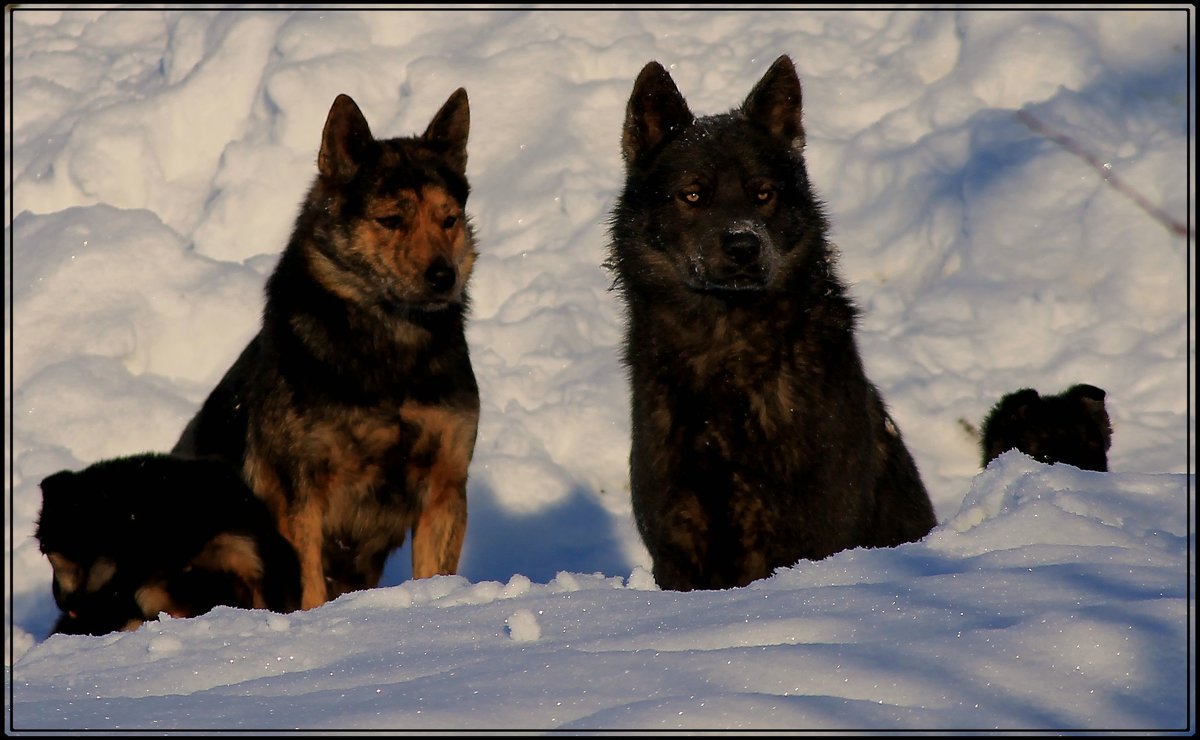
[[346, 141], [1016, 405], [1091, 399], [774, 103], [449, 128], [52, 485], [1084, 391], [56, 494], [656, 111]]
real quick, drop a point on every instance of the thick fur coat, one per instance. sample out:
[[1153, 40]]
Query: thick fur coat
[[757, 439], [353, 412]]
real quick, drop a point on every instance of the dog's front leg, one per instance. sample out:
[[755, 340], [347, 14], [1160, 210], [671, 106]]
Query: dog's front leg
[[440, 528], [299, 519], [441, 523], [678, 537], [304, 530]]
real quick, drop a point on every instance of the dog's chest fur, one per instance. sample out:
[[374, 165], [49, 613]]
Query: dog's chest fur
[[378, 458], [765, 426], [370, 455]]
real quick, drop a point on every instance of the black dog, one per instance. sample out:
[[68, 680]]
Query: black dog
[[132, 537], [757, 438], [1072, 427]]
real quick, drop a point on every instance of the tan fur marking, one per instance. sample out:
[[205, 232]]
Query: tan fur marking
[[438, 206], [236, 554], [766, 419], [411, 238], [397, 256], [402, 206], [783, 395], [308, 539], [67, 572], [439, 532], [265, 484], [339, 466], [375, 438], [773, 408], [153, 599], [347, 286], [442, 523], [99, 574], [350, 451], [302, 528]]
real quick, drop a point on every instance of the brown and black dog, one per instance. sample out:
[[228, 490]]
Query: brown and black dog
[[132, 537], [353, 412]]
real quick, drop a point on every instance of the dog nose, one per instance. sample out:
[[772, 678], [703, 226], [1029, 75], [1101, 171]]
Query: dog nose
[[742, 247], [441, 276]]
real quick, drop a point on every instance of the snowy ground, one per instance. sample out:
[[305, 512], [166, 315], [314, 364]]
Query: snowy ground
[[1010, 191]]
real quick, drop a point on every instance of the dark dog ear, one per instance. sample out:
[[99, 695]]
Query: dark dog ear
[[449, 128], [1085, 391], [55, 485], [774, 103], [1091, 399], [54, 479], [997, 433], [55, 489], [1015, 405], [346, 141], [656, 111]]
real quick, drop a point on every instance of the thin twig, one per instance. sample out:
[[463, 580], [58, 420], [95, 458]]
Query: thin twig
[[1105, 170]]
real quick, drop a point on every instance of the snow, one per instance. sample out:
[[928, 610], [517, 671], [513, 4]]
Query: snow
[[157, 159]]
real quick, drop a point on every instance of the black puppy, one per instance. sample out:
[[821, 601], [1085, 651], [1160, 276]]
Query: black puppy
[[132, 537], [1072, 427]]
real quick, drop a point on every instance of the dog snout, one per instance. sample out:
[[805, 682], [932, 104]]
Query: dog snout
[[743, 248], [441, 276]]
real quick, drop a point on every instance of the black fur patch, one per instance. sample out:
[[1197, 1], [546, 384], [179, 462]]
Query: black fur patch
[[1072, 427]]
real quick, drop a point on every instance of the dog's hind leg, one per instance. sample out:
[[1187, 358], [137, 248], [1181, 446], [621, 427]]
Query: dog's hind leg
[[236, 570]]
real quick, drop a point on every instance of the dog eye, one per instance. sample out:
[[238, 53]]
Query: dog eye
[[449, 222], [391, 222], [691, 197], [764, 196]]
